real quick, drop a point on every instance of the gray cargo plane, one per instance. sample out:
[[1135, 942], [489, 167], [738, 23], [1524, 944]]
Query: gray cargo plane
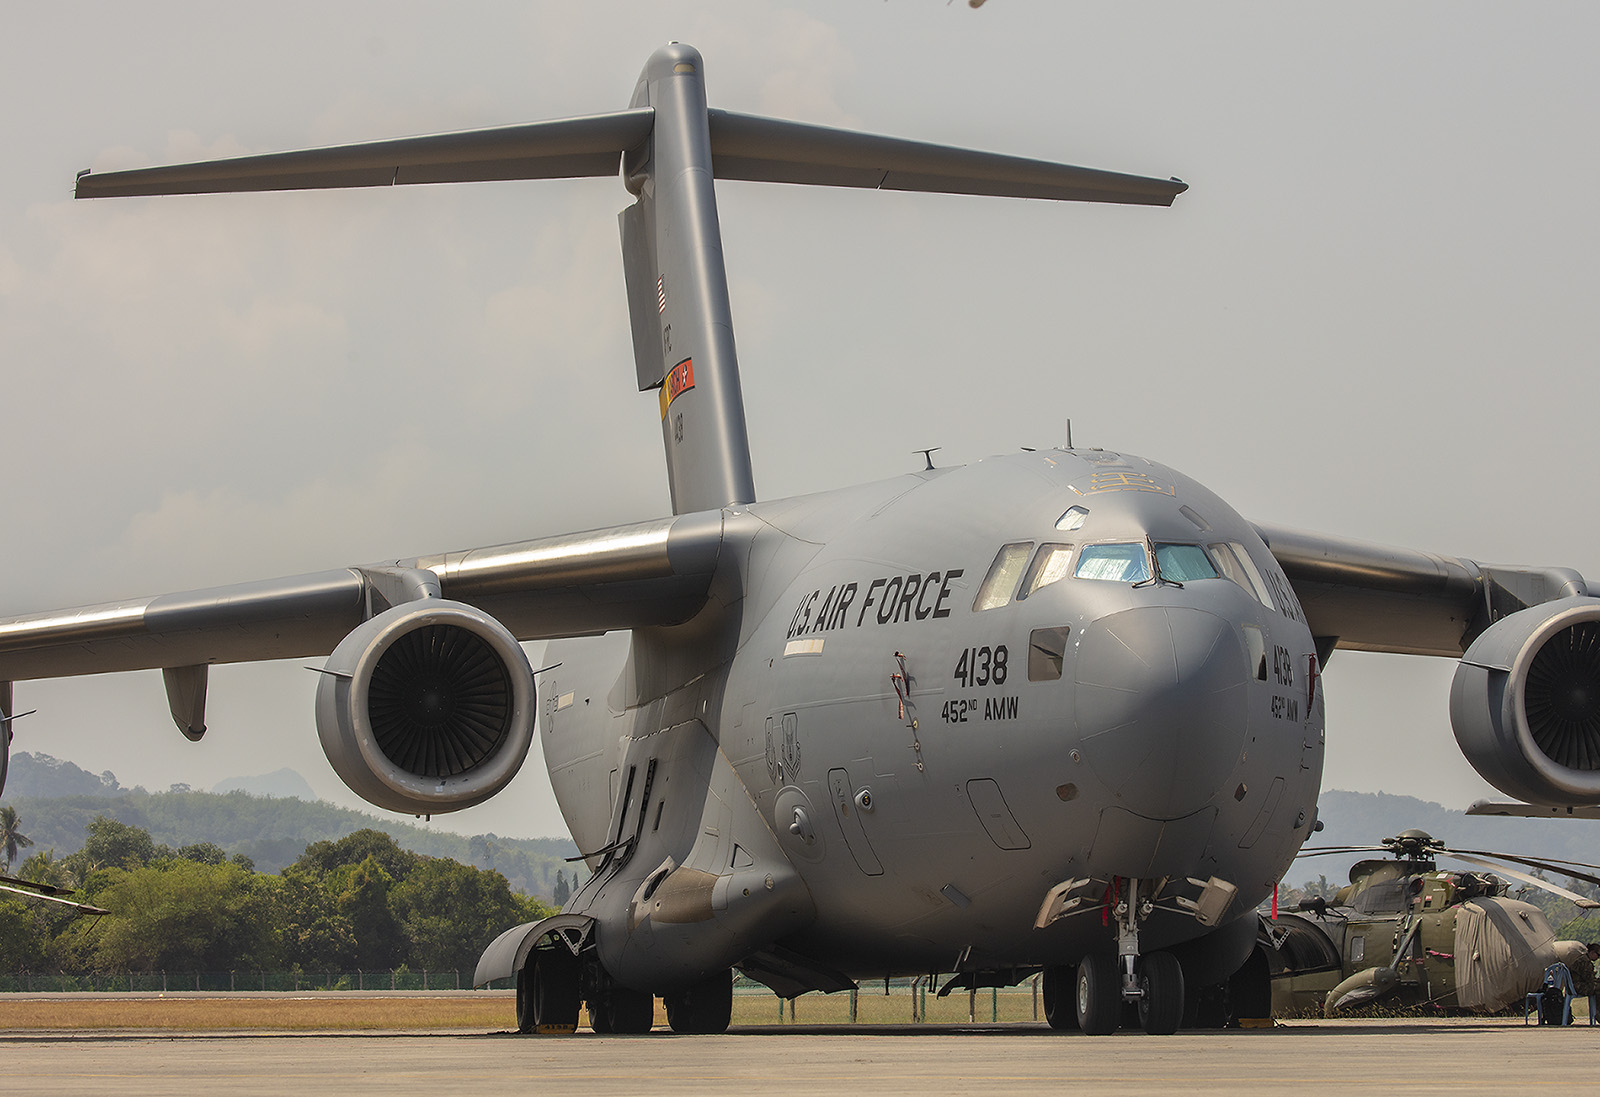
[[1056, 711]]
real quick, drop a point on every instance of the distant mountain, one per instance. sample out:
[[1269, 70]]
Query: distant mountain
[[282, 782], [1366, 818], [56, 801], [42, 775]]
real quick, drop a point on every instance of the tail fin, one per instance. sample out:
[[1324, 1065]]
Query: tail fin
[[671, 148]]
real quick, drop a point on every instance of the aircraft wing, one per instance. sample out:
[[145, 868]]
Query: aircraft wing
[[1370, 597], [649, 573]]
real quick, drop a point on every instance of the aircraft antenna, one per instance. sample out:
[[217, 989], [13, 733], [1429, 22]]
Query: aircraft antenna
[[927, 455], [1069, 433]]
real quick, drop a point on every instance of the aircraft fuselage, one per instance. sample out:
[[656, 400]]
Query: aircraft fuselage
[[954, 690]]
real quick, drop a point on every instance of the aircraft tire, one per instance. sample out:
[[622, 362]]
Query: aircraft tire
[[525, 1021], [1099, 994], [1060, 998], [1161, 1003], [547, 992], [705, 1008], [629, 1012]]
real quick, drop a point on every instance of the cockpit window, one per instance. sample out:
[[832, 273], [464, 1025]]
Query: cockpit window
[[1049, 565], [997, 586], [1181, 563], [1116, 563], [1235, 564], [1072, 519], [1047, 647]]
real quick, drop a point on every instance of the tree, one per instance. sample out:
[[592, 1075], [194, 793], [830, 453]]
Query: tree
[[363, 898], [562, 892], [187, 916], [24, 937], [11, 837], [46, 868], [111, 844], [207, 853], [352, 849], [317, 936], [450, 912]]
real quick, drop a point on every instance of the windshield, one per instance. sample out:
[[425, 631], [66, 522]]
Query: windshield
[[1117, 563], [1181, 563]]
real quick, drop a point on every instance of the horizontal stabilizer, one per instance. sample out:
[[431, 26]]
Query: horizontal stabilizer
[[770, 150], [561, 149]]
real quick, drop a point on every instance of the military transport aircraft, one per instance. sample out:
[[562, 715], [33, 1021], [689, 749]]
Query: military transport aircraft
[[1056, 710]]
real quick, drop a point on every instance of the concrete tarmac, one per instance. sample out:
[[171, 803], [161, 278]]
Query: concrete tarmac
[[1339, 1057]]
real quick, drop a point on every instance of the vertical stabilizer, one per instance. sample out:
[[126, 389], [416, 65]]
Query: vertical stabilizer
[[678, 290]]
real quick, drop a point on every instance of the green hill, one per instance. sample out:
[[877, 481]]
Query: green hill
[[271, 831]]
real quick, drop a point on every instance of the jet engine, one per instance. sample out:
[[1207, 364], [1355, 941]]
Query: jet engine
[[1525, 703], [428, 707]]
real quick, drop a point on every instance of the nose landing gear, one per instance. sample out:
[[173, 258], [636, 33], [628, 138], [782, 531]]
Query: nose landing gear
[[1102, 986]]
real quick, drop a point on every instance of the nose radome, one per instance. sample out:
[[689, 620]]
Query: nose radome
[[1161, 706]]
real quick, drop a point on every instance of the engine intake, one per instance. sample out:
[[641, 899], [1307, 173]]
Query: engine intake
[[426, 708], [1525, 703]]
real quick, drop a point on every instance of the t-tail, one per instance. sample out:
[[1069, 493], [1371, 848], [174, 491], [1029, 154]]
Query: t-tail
[[670, 147]]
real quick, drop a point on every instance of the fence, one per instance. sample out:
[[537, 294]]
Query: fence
[[223, 981], [893, 1001], [889, 1002]]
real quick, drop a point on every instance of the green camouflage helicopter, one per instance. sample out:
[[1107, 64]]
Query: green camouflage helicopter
[[1405, 931]]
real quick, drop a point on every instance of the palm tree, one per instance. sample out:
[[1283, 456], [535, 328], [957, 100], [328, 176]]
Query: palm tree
[[11, 837]]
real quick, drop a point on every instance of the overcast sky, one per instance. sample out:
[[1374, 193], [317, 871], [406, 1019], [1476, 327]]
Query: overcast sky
[[1372, 313]]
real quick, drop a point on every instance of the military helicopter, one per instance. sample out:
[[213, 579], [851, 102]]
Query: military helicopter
[[1405, 930]]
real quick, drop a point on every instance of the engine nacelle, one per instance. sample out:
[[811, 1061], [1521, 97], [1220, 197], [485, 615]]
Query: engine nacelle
[[427, 708], [1525, 703]]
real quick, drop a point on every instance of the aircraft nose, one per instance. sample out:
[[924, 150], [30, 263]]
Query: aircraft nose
[[1161, 706]]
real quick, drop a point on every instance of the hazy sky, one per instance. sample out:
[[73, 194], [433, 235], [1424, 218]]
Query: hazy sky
[[1372, 313]]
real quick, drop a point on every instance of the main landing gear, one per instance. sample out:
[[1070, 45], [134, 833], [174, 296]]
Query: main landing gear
[[553, 984]]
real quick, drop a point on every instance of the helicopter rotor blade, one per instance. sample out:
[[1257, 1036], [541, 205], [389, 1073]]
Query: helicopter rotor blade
[[1551, 860], [1565, 868], [1527, 878], [1321, 851]]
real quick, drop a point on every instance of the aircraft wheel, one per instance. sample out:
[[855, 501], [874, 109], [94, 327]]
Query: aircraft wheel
[[1099, 994], [547, 992], [1060, 998], [704, 1008], [628, 1011], [1161, 1000]]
